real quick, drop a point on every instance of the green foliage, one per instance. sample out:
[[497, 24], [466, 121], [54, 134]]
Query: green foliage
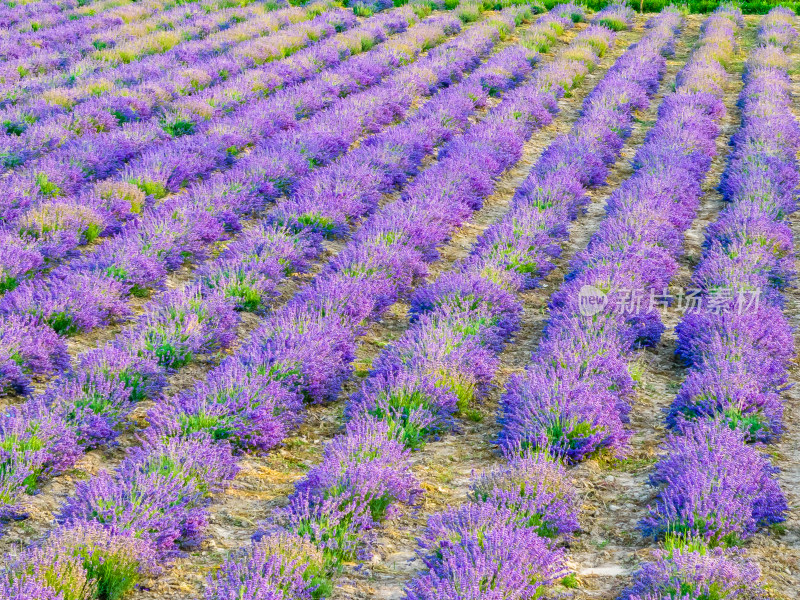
[[14, 127], [178, 127], [156, 189], [473, 415], [398, 407], [62, 323], [570, 582], [8, 283], [47, 187], [749, 7]]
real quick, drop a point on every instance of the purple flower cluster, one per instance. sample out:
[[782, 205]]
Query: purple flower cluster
[[305, 348], [49, 176], [183, 228], [35, 443], [501, 561], [449, 354], [144, 252], [502, 544], [157, 494], [738, 355], [535, 489], [160, 491], [459, 322], [37, 53], [289, 354], [83, 408], [277, 566], [694, 571], [574, 398], [717, 487], [85, 561], [28, 347], [617, 16], [106, 93], [363, 474], [507, 536]]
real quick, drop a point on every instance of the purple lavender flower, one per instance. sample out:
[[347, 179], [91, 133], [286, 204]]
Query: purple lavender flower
[[362, 475], [446, 350], [114, 563], [68, 301], [733, 392], [412, 404], [28, 348], [60, 574], [714, 486], [250, 409], [501, 561], [93, 406], [158, 493], [82, 561], [562, 412], [694, 571], [467, 292], [118, 200], [34, 444], [60, 227], [400, 264], [250, 285], [181, 324], [356, 298], [252, 266], [616, 16], [535, 489], [311, 352], [761, 338], [277, 566], [27, 588], [142, 377], [19, 258]]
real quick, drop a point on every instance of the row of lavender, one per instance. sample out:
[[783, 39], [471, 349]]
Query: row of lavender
[[443, 361], [49, 13], [509, 534], [27, 39], [97, 396], [28, 27], [250, 269], [91, 292], [717, 487], [172, 166], [127, 104], [58, 205], [72, 84], [162, 86], [19, 14], [68, 222], [52, 179], [131, 501], [88, 47], [446, 359], [152, 79], [574, 398], [43, 60]]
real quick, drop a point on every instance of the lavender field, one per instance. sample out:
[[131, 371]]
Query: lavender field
[[431, 301]]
